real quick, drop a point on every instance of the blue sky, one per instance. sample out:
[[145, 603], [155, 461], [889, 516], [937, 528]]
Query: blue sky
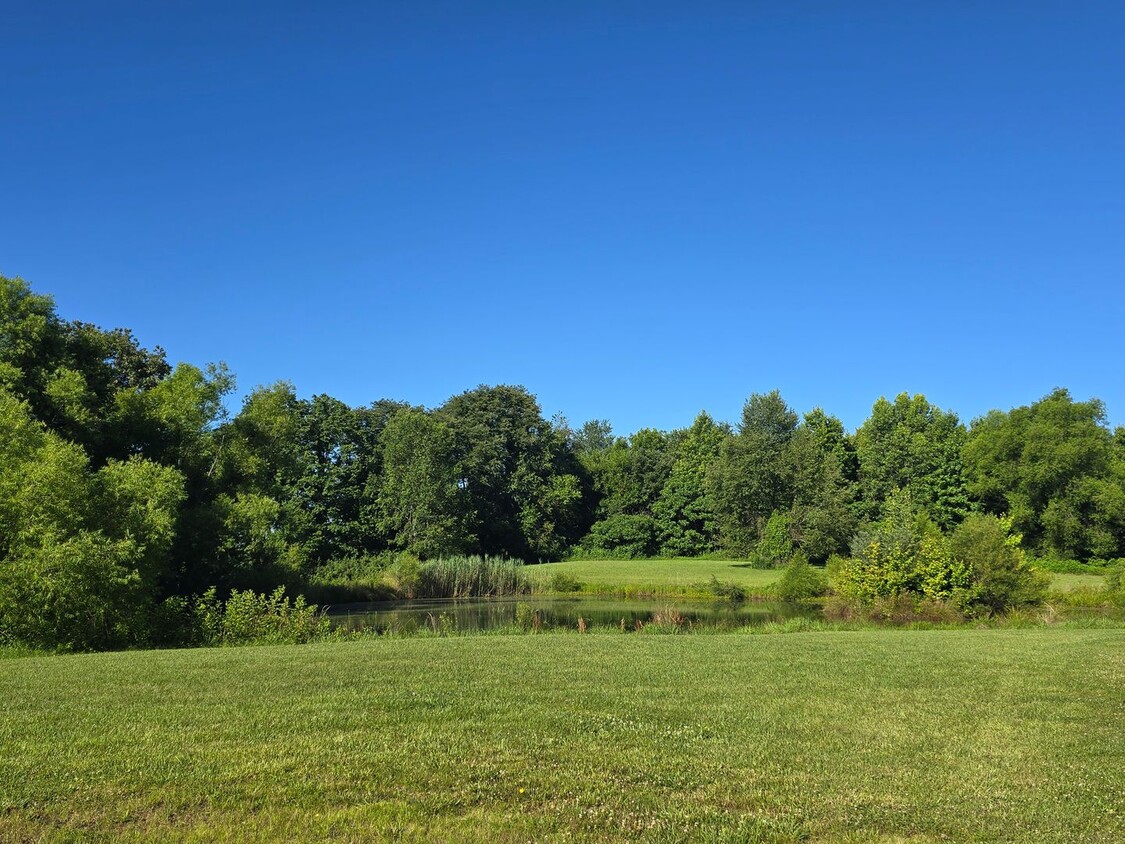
[[637, 210]]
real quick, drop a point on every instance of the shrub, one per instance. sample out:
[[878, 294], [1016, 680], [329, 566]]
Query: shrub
[[801, 581], [776, 544], [248, 617], [623, 537], [1002, 578], [561, 581], [1063, 566], [903, 553], [724, 589]]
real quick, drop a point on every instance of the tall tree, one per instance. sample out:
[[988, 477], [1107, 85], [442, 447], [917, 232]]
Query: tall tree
[[685, 513], [421, 505], [750, 479], [519, 477], [1057, 469], [912, 444]]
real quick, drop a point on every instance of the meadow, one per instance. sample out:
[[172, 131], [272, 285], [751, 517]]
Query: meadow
[[868, 736], [691, 577], [665, 577]]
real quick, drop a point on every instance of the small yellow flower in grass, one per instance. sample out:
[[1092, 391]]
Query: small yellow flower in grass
[[521, 791]]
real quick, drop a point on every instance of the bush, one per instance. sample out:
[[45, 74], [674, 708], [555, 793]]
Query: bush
[[250, 618], [561, 581], [1002, 578], [776, 544], [801, 581], [904, 553], [723, 589], [622, 537], [1063, 566]]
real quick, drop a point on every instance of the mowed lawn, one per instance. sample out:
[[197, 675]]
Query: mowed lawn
[[688, 576], [882, 736], [662, 576]]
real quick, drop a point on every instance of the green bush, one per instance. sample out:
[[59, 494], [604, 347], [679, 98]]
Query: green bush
[[801, 581], [775, 546], [724, 589], [1002, 578], [561, 581], [904, 553], [622, 537], [251, 618], [1062, 566]]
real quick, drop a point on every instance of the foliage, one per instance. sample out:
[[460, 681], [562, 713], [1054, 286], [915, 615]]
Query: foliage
[[125, 482], [903, 553], [561, 581], [1002, 578], [776, 544], [420, 503], [684, 512], [250, 618], [623, 537], [912, 444], [800, 582], [1063, 566], [470, 577], [726, 590], [1056, 468]]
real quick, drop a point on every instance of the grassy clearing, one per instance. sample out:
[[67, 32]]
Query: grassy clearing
[[880, 736], [689, 577], [1070, 582], [678, 577]]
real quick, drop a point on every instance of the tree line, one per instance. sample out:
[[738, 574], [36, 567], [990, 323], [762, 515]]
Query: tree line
[[125, 481]]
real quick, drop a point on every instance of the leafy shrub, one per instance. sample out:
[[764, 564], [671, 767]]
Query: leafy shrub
[[248, 617], [776, 544], [801, 581], [903, 553], [406, 575], [723, 589], [623, 537], [1063, 566], [1002, 578], [561, 581], [81, 593]]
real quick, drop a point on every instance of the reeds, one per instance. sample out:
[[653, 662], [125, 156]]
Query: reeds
[[471, 577]]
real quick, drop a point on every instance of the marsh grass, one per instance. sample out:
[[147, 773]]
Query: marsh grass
[[471, 577]]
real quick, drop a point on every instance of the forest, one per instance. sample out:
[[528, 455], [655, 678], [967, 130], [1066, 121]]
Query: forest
[[128, 489]]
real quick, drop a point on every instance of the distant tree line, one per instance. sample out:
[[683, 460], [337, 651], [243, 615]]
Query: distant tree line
[[124, 482]]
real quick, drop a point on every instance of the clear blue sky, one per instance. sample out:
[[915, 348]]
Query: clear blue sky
[[637, 210]]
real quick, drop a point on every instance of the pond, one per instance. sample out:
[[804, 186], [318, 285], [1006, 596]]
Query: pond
[[556, 612]]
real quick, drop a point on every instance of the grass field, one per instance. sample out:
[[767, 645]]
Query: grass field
[[1068, 582], [881, 736], [675, 577], [689, 577]]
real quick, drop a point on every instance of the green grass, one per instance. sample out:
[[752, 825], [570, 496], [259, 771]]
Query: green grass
[[870, 736], [679, 577], [1069, 582], [688, 577]]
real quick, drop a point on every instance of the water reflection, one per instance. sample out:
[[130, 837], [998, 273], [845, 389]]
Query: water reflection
[[548, 613]]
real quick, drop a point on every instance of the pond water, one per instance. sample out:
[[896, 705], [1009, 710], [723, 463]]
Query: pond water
[[555, 612]]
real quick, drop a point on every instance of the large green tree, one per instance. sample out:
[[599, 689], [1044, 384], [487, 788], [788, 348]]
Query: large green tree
[[912, 444], [519, 476], [1057, 469], [684, 513]]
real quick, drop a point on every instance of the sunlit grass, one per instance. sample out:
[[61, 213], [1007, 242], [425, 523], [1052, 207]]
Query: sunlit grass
[[919, 736], [679, 576]]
